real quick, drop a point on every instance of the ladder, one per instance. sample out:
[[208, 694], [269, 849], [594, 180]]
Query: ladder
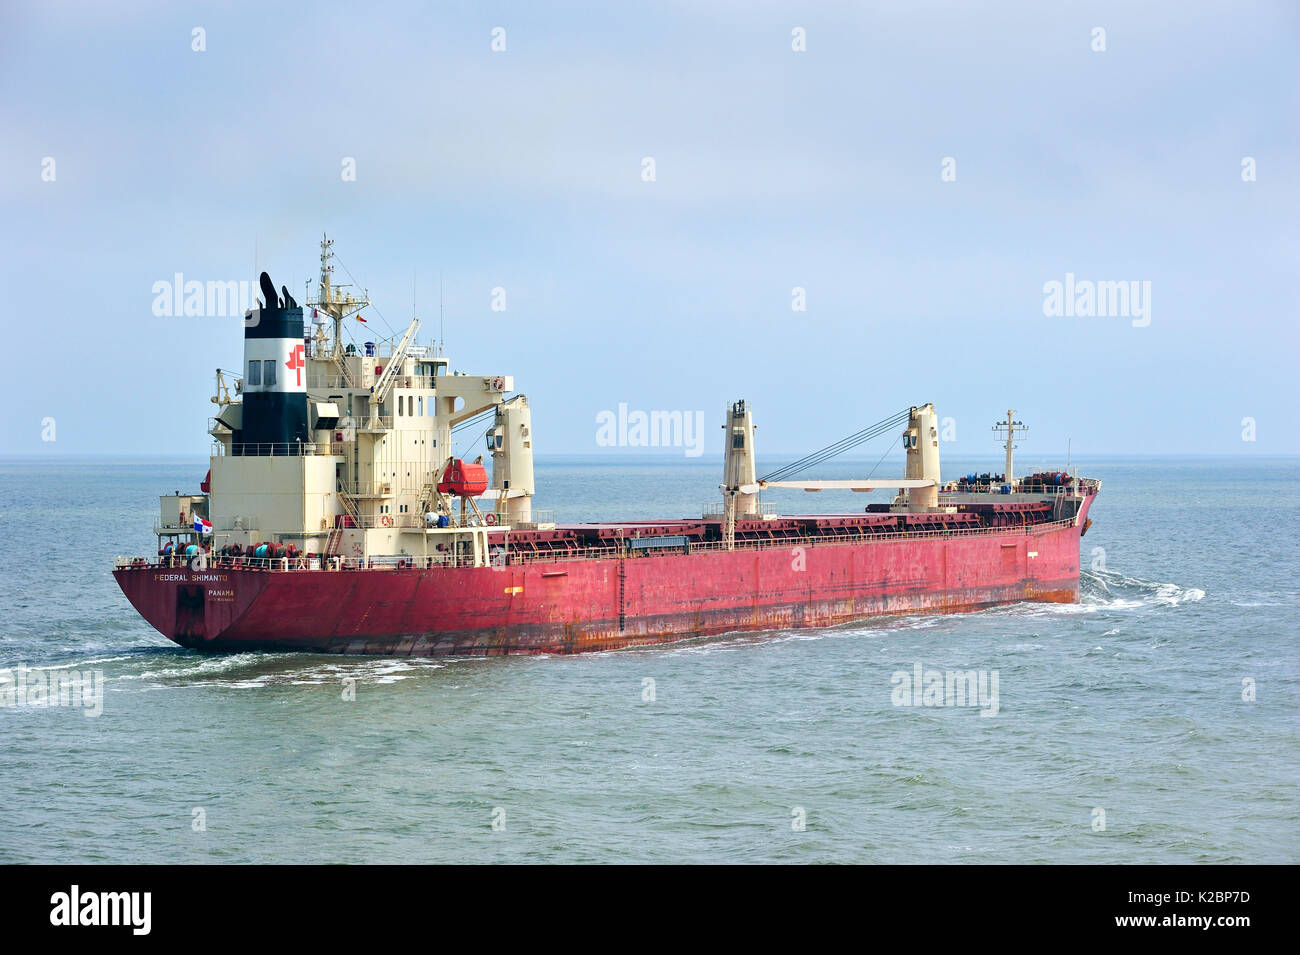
[[345, 377], [428, 498], [350, 506], [331, 545]]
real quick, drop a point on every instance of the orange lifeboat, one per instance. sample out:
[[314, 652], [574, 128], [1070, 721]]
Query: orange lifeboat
[[463, 480]]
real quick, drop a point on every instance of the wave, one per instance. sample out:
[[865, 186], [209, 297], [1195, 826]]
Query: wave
[[261, 670], [1099, 591], [1100, 587]]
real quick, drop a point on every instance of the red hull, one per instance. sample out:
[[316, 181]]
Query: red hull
[[576, 605]]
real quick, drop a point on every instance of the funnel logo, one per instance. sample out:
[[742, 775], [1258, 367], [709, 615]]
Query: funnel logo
[[264, 357], [297, 363]]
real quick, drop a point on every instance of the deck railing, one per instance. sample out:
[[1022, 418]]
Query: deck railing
[[1079, 488], [777, 543], [608, 552], [717, 510], [278, 449], [215, 563], [318, 382]]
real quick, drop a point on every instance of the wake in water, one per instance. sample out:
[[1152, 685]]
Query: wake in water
[[153, 668], [259, 670], [1109, 589], [1099, 591]]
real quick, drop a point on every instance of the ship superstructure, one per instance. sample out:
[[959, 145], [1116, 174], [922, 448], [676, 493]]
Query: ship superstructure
[[337, 449], [336, 517]]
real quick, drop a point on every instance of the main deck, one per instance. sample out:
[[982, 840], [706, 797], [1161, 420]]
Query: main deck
[[602, 597]]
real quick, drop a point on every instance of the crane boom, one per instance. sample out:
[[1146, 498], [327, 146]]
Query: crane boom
[[869, 484], [394, 366]]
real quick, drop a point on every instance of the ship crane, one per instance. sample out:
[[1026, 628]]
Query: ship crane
[[742, 487], [222, 397], [392, 371], [869, 484]]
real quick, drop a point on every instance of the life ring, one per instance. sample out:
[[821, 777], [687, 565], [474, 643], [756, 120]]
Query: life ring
[[489, 518], [499, 384], [386, 521]]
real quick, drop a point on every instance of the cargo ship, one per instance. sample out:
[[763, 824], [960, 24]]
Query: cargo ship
[[334, 518]]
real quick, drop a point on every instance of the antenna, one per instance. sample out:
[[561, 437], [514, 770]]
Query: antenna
[[1010, 428], [330, 298]]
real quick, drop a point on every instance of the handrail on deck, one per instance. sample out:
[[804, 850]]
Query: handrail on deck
[[451, 559]]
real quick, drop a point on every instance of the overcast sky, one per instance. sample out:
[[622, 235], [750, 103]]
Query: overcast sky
[[127, 156]]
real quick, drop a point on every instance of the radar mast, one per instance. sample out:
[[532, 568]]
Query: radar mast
[[332, 299]]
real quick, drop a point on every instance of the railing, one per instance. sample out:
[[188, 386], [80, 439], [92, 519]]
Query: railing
[[422, 382], [277, 449], [539, 515], [798, 541], [318, 382], [611, 552], [361, 422], [238, 522], [301, 563], [341, 382], [1076, 488], [715, 511], [367, 488], [408, 521], [180, 527], [418, 521]]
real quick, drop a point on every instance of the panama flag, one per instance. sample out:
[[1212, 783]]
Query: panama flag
[[201, 526]]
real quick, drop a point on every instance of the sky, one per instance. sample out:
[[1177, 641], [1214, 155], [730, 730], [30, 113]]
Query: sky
[[916, 175]]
